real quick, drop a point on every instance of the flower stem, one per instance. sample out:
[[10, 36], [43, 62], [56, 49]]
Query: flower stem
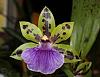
[[24, 70]]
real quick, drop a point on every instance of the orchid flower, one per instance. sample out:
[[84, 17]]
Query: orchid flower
[[46, 55]]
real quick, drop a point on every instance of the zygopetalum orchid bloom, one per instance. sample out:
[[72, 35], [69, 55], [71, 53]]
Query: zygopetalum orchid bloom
[[44, 57]]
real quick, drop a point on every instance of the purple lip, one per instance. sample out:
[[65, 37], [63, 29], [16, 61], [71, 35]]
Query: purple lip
[[43, 58]]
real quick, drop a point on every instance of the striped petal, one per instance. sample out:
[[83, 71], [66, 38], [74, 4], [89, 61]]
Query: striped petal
[[45, 60]]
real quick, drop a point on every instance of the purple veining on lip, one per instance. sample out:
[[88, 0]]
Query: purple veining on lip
[[43, 58]]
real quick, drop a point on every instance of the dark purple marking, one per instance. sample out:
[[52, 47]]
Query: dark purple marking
[[49, 26], [46, 10], [69, 53], [63, 27], [45, 41], [61, 37], [67, 26], [69, 57], [55, 37], [49, 33], [46, 15], [37, 37], [25, 26], [59, 49], [76, 57], [64, 33], [29, 31], [46, 23], [43, 27], [43, 20], [19, 52]]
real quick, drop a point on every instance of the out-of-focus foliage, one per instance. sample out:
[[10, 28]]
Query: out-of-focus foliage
[[7, 70], [86, 15], [2, 10]]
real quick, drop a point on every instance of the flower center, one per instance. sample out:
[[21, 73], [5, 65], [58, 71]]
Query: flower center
[[44, 38], [45, 43]]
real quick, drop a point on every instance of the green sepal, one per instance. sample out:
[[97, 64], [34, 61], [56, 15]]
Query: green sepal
[[46, 21], [30, 31], [84, 67], [65, 47], [71, 61], [17, 53], [62, 47], [62, 32]]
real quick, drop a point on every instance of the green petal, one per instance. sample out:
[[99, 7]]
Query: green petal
[[17, 53], [84, 67], [62, 32], [30, 31], [71, 61], [46, 21], [63, 47]]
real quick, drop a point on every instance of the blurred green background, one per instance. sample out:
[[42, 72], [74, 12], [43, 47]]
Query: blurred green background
[[85, 37]]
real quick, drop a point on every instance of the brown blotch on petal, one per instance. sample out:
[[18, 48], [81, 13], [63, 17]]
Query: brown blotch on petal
[[46, 23], [61, 38], [63, 27], [69, 53], [19, 52], [59, 49], [46, 15], [49, 33], [43, 20], [69, 57], [50, 26], [43, 27], [45, 10], [44, 32], [64, 33], [29, 31], [67, 26], [55, 37], [62, 52], [58, 37], [37, 37], [25, 26], [76, 57]]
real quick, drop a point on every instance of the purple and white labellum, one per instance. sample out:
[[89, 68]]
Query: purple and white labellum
[[43, 58]]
